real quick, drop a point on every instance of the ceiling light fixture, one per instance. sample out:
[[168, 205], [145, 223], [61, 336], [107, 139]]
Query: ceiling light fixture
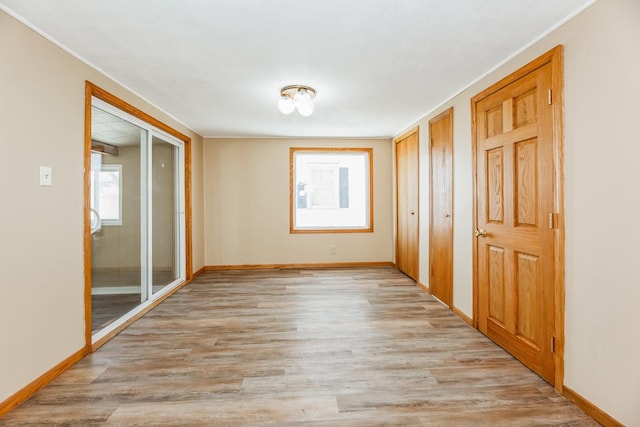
[[296, 97]]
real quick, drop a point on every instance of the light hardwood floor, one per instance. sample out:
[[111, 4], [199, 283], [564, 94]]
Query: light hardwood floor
[[325, 347]]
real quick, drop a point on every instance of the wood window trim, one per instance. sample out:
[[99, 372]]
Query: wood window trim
[[292, 192], [92, 90]]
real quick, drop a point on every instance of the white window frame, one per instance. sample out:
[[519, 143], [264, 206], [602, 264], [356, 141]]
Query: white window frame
[[293, 190], [96, 193]]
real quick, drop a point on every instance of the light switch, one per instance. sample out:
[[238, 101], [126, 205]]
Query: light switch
[[45, 176]]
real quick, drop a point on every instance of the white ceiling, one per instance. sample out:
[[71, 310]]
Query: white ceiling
[[107, 128], [218, 65]]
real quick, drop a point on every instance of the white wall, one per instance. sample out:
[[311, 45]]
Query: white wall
[[247, 206], [602, 200], [41, 228]]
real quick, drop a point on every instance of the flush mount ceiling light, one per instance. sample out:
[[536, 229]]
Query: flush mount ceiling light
[[297, 97]]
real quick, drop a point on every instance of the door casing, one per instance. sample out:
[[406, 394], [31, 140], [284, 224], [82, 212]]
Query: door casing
[[91, 91], [554, 57]]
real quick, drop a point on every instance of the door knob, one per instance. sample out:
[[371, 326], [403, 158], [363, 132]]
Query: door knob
[[480, 233]]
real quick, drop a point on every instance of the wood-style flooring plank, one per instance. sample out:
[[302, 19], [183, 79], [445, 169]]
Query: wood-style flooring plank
[[314, 347]]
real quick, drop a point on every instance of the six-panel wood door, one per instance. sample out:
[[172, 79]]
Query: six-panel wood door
[[515, 218], [407, 176], [441, 214]]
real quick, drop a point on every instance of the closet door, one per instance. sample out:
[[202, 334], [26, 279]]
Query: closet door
[[407, 203], [441, 207]]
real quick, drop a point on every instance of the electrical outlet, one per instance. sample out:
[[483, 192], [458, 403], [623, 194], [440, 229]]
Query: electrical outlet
[[332, 250]]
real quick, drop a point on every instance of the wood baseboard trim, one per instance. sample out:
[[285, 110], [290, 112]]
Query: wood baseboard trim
[[102, 341], [590, 409], [423, 286], [291, 266], [197, 273], [463, 316], [30, 389]]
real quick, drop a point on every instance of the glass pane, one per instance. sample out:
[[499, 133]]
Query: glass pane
[[332, 190], [165, 259], [116, 186], [109, 194]]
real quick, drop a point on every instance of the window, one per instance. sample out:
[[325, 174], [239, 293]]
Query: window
[[106, 192], [331, 190]]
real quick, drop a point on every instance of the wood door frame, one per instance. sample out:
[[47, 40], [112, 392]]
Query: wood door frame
[[447, 112], [416, 131], [93, 90], [555, 57]]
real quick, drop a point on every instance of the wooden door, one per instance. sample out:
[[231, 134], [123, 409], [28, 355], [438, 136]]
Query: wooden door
[[407, 187], [441, 213], [517, 211]]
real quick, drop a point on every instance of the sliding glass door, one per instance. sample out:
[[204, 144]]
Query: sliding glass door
[[166, 214], [137, 215]]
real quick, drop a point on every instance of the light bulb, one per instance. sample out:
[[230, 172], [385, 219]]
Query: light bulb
[[286, 105], [303, 103]]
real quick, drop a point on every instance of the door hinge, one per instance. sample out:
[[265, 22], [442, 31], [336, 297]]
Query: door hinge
[[549, 98], [552, 220], [553, 344]]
